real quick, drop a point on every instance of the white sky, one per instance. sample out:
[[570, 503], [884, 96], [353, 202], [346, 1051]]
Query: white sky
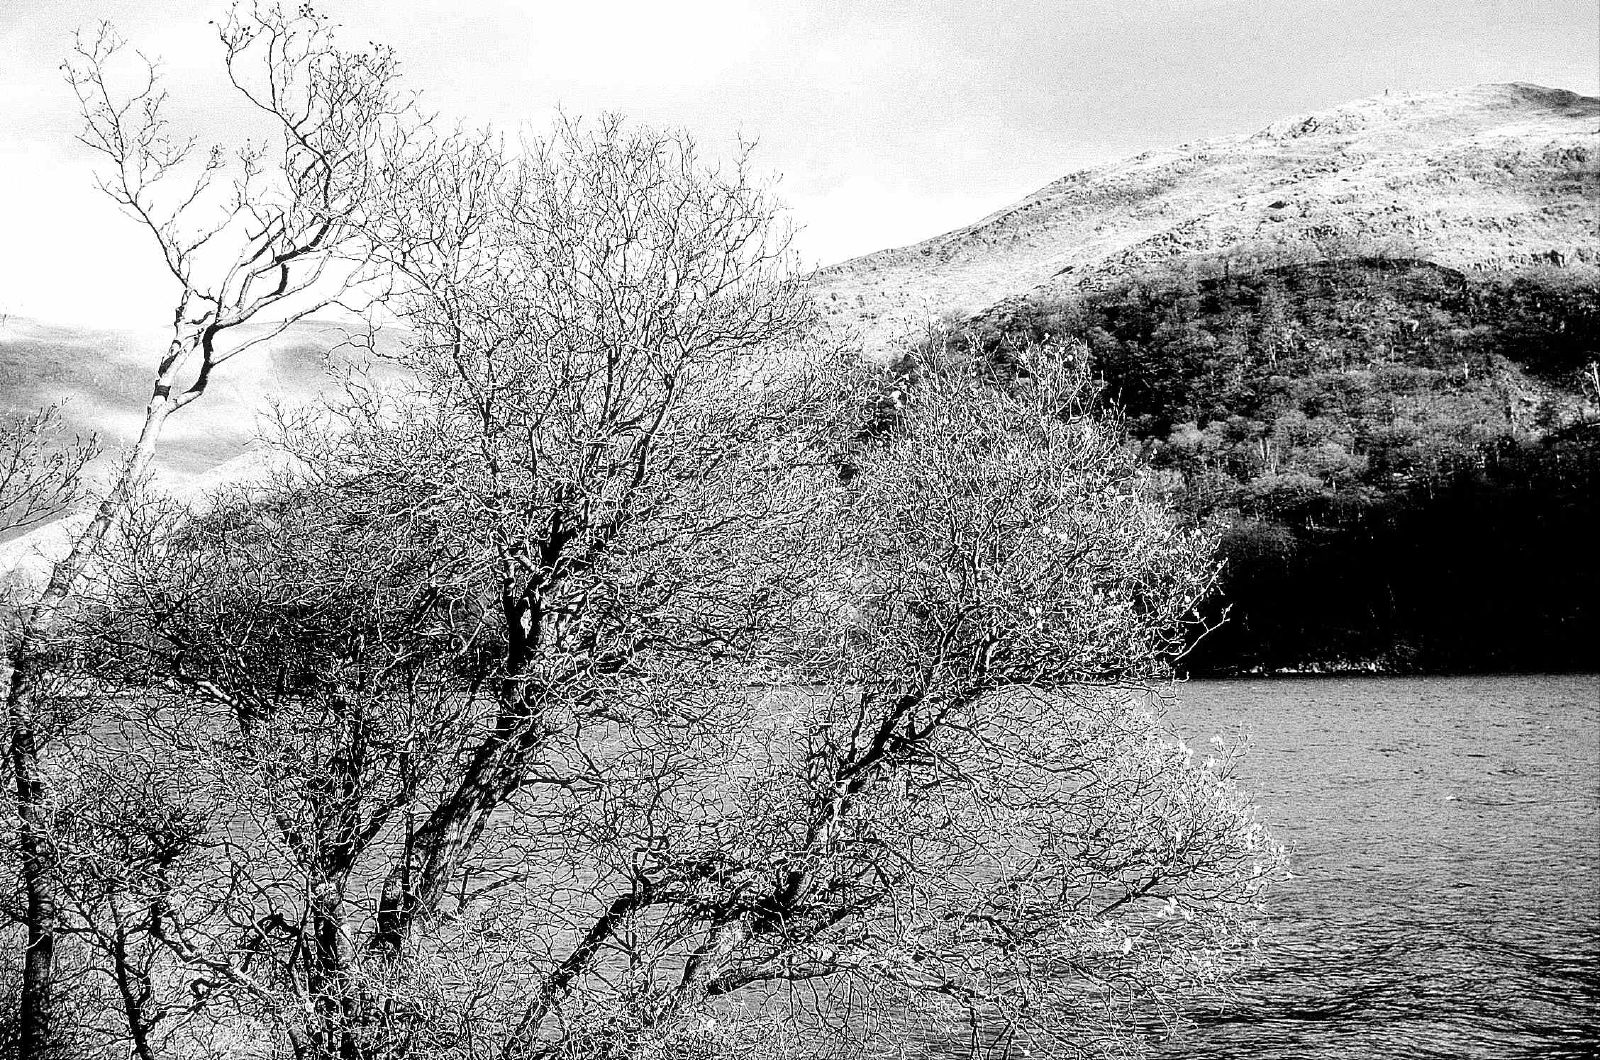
[[890, 120]]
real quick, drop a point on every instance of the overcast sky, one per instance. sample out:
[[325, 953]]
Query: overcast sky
[[889, 120]]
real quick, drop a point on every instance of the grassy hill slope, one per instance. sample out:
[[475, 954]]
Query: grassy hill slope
[[1497, 177], [102, 379]]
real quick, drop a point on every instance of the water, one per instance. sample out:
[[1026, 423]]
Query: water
[[1446, 900]]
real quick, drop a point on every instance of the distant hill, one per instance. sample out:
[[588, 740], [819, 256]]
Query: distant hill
[[103, 380], [1404, 458], [1498, 177], [1495, 177], [1364, 343]]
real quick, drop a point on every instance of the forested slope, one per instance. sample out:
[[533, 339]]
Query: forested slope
[[1363, 341], [1404, 456]]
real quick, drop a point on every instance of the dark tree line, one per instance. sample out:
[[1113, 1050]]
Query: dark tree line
[[1403, 456]]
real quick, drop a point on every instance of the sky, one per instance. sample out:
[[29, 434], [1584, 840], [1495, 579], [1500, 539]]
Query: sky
[[885, 121]]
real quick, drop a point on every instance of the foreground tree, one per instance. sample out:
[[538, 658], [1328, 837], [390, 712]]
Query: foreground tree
[[989, 826], [564, 698], [266, 235], [583, 520], [567, 704]]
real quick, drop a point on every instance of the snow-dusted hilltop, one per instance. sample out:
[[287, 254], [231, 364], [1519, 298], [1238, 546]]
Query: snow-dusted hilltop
[[1493, 177]]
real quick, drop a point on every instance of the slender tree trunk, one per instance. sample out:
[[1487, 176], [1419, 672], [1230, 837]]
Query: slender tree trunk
[[38, 961], [132, 984], [37, 1000], [333, 993]]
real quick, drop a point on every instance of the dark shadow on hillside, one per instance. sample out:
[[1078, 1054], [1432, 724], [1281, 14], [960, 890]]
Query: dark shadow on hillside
[[1402, 458]]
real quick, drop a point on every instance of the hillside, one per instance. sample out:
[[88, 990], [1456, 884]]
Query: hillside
[[101, 379], [1498, 177], [1494, 177], [1403, 459], [1364, 344], [104, 377]]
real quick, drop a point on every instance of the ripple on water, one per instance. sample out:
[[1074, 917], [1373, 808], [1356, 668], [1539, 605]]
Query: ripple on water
[[1447, 892]]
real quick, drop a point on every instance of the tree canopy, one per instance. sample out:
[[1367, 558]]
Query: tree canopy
[[623, 678]]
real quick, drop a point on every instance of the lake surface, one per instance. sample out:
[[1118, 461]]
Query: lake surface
[[1446, 839]]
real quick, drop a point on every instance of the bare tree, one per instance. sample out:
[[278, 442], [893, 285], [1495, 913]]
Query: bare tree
[[267, 234], [566, 703], [587, 503], [123, 834], [41, 477], [40, 469], [986, 821]]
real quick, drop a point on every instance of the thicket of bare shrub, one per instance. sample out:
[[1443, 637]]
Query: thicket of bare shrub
[[610, 689]]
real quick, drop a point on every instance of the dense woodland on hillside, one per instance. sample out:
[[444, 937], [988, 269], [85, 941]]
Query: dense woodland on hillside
[[1404, 457]]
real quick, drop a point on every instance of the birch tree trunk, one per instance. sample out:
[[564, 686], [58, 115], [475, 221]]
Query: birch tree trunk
[[267, 234]]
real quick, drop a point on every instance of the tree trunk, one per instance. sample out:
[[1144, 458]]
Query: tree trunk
[[37, 1000], [38, 961]]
